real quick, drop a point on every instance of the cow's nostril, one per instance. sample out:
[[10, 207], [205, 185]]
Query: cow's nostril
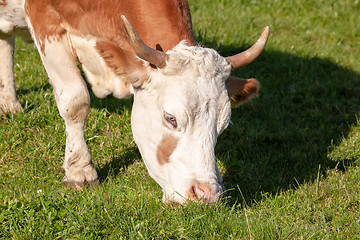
[[200, 193], [197, 192], [192, 193]]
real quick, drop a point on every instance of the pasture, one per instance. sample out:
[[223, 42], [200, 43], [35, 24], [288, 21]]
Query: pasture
[[290, 159]]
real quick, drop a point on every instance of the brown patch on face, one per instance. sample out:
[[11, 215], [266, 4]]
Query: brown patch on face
[[166, 148]]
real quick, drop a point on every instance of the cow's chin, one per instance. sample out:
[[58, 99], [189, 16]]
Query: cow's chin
[[200, 193]]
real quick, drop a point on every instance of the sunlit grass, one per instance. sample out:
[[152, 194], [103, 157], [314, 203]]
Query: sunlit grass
[[289, 159]]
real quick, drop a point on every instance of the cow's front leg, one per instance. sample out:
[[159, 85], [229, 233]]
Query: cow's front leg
[[8, 100], [73, 102], [78, 166]]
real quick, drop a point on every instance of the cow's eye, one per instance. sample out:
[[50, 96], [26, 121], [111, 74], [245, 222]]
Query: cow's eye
[[170, 119]]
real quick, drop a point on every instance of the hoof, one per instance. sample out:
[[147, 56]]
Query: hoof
[[10, 107], [78, 185], [80, 178]]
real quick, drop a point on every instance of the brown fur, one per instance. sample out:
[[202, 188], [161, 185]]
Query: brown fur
[[45, 21], [166, 148], [117, 59], [162, 23], [3, 3], [241, 90]]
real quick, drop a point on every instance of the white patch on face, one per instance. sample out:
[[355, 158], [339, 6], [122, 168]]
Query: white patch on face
[[223, 118], [192, 89]]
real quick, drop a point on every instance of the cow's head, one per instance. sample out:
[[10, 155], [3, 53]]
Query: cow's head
[[180, 111]]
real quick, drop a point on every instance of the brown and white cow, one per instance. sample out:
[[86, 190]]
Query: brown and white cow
[[182, 92]]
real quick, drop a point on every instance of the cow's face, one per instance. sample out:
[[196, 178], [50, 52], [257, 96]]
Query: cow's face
[[176, 119], [180, 111]]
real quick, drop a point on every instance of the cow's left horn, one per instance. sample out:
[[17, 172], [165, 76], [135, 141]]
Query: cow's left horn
[[143, 51], [250, 54]]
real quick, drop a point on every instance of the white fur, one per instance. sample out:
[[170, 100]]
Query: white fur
[[73, 102], [8, 99], [191, 87], [12, 16], [12, 22]]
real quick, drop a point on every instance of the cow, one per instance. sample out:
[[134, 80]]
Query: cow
[[182, 92]]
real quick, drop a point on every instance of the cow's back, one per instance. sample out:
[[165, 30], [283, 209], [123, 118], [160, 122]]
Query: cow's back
[[158, 22]]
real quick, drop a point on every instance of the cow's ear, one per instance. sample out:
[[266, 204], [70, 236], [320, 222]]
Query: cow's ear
[[241, 90]]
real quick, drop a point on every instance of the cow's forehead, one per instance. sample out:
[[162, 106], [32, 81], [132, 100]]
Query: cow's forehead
[[204, 62], [193, 70]]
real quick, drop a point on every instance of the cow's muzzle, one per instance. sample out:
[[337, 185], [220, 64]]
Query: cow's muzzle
[[204, 193]]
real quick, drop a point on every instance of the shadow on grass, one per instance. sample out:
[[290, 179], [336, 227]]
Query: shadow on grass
[[282, 138], [111, 103], [24, 91], [119, 163]]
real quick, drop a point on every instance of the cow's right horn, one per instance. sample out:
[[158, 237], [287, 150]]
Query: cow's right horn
[[143, 51], [246, 57]]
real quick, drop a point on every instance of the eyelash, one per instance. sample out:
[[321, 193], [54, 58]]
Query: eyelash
[[170, 119]]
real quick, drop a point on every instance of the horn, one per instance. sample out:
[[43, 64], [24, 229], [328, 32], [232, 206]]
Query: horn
[[143, 51], [246, 57]]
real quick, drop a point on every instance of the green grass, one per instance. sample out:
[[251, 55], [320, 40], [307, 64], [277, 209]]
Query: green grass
[[290, 160]]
